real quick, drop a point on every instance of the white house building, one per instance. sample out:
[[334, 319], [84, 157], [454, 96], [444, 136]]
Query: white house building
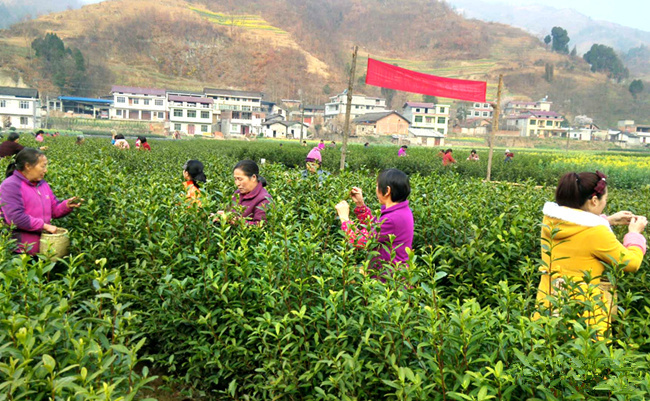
[[190, 114], [284, 129], [537, 123], [19, 108], [427, 116], [335, 108], [517, 107], [480, 110], [132, 103], [238, 112], [581, 134]]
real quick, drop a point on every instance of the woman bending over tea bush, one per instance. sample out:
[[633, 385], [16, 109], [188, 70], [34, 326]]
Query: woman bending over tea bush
[[250, 196], [579, 240], [396, 218], [27, 201], [193, 174]]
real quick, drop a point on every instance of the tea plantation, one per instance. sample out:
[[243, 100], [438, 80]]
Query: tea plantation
[[281, 312]]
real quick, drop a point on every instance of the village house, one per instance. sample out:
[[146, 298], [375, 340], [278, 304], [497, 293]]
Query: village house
[[283, 129], [238, 112], [517, 107], [643, 131], [19, 108], [335, 108], [629, 126], [624, 138], [381, 124], [626, 126], [272, 108], [133, 103], [190, 113], [312, 115], [543, 124], [473, 126], [425, 137], [428, 116], [273, 118], [581, 134], [479, 110], [81, 106]]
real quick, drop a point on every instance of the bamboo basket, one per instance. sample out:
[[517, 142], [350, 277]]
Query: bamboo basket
[[606, 289], [57, 244]]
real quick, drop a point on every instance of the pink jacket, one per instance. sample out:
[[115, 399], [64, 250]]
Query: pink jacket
[[397, 220], [314, 155], [28, 207]]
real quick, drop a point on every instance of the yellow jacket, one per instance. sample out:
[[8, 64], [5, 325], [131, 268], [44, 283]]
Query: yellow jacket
[[583, 240]]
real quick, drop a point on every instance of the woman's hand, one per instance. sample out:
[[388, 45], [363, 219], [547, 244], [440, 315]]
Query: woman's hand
[[621, 218], [74, 202], [343, 210], [357, 196], [217, 216], [49, 228], [637, 224]]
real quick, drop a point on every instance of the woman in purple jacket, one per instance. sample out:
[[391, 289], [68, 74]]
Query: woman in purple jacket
[[396, 218], [250, 196], [28, 202]]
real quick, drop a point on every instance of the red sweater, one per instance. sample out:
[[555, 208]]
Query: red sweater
[[447, 159]]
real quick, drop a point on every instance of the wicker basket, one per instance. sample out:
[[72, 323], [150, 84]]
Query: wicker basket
[[57, 244], [606, 289]]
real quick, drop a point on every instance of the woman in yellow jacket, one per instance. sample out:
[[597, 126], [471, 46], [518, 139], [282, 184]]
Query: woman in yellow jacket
[[579, 238]]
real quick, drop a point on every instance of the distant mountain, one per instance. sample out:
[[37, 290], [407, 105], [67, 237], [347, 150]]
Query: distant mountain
[[12, 11], [539, 20], [289, 48]]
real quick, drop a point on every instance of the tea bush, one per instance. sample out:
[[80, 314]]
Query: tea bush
[[281, 311]]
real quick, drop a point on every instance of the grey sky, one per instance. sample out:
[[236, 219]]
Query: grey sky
[[632, 13]]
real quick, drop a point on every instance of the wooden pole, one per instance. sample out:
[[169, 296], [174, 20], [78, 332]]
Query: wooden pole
[[568, 136], [302, 116], [495, 126], [346, 127]]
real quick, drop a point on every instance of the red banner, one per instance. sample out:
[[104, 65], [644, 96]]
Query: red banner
[[392, 77]]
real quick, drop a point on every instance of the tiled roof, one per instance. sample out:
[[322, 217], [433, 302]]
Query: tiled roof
[[137, 90], [522, 103], [231, 92], [285, 123], [431, 133], [416, 104], [86, 99], [551, 115], [374, 117], [204, 100], [18, 92]]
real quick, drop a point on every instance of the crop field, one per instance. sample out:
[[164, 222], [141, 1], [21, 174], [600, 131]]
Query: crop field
[[242, 21], [153, 288]]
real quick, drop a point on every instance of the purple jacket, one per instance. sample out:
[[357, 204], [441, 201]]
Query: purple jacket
[[396, 220], [29, 206], [255, 202]]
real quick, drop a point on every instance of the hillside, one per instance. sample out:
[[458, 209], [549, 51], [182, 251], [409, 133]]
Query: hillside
[[283, 47]]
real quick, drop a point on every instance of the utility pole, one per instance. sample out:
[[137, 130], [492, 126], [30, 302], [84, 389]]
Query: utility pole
[[346, 127], [302, 116], [495, 126]]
